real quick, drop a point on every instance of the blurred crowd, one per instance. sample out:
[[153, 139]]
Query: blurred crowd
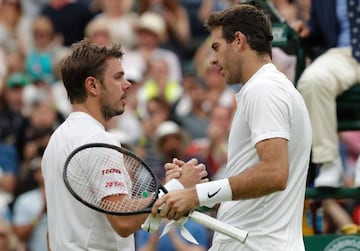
[[179, 105]]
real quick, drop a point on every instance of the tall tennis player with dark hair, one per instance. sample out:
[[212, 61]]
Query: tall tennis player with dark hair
[[96, 86], [269, 142]]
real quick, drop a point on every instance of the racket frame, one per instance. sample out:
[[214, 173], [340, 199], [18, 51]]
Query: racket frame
[[123, 151]]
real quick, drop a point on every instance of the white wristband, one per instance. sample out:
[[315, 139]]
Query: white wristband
[[173, 184], [214, 192]]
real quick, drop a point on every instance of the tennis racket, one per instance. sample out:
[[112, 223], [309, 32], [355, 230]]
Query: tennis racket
[[97, 170]]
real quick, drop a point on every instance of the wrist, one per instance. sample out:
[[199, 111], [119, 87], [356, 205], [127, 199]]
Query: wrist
[[211, 193], [172, 185]]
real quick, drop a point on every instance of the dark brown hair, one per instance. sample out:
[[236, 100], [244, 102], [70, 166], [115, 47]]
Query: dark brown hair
[[248, 19], [86, 59]]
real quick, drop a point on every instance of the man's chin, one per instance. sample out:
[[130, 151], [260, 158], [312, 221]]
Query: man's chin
[[230, 81], [109, 116]]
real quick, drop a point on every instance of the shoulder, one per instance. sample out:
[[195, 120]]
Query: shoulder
[[268, 80], [103, 137]]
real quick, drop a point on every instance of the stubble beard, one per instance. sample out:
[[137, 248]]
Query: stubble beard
[[108, 110], [233, 77], [230, 80]]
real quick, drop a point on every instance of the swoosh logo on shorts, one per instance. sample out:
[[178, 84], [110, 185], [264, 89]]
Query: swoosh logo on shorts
[[210, 195]]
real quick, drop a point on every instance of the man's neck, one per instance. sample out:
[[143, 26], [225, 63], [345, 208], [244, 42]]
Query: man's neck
[[95, 113], [252, 66]]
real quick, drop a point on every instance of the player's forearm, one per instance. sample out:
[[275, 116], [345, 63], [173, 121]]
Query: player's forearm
[[269, 175], [255, 182], [258, 181]]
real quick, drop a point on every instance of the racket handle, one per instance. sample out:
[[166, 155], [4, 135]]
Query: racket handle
[[219, 226]]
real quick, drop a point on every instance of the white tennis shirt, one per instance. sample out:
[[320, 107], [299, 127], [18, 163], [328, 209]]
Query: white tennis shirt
[[269, 106], [72, 225]]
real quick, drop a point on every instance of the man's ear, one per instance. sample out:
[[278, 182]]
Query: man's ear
[[240, 39], [92, 86]]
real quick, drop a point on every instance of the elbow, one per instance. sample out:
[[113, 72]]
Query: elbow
[[123, 228], [281, 177], [278, 186], [124, 233], [281, 183]]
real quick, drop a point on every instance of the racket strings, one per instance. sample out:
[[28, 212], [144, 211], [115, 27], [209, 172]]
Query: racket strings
[[143, 184], [97, 174]]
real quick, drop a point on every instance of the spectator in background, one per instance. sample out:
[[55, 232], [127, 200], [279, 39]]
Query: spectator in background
[[173, 240], [350, 142], [3, 68], [42, 121], [206, 7], [32, 8], [175, 17], [287, 9], [177, 24], [336, 218], [12, 120], [196, 120], [217, 134], [150, 33], [29, 219], [97, 30], [120, 19], [293, 10], [182, 105], [198, 32], [213, 5], [171, 141], [8, 240], [14, 90], [15, 61], [69, 19], [40, 57], [290, 11], [9, 166], [158, 83], [58, 90], [332, 71], [11, 20], [158, 111]]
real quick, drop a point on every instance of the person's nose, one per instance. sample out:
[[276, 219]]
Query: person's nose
[[128, 84], [214, 60]]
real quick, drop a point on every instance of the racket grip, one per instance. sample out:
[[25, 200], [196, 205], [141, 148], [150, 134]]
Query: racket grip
[[219, 226]]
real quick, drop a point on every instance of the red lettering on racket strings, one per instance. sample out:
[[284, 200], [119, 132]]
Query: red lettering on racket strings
[[110, 170], [114, 184]]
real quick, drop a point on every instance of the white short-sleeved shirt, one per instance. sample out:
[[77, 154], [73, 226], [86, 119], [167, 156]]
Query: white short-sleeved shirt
[[72, 225], [269, 106]]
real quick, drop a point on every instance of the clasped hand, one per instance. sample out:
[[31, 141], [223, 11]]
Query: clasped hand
[[178, 203]]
